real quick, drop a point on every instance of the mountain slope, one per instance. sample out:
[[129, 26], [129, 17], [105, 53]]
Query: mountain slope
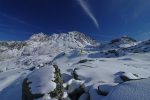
[[56, 43], [82, 63]]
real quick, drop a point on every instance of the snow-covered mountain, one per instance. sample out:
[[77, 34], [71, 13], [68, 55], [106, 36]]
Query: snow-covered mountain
[[10, 49], [143, 46], [122, 42], [73, 36], [43, 44], [78, 67]]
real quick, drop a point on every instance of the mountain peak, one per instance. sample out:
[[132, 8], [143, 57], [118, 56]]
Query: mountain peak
[[39, 37], [123, 40], [73, 36], [75, 33]]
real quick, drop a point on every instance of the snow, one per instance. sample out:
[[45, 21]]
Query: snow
[[106, 87], [103, 69], [64, 50], [84, 96], [93, 93], [129, 75], [42, 80], [132, 90], [45, 97], [74, 84], [11, 83], [65, 95]]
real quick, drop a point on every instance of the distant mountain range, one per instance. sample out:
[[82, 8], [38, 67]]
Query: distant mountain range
[[43, 44], [73, 66]]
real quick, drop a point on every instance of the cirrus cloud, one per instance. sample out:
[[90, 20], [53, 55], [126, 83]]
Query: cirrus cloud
[[87, 10]]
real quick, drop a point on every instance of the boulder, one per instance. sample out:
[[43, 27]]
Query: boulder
[[105, 88], [43, 83], [75, 88]]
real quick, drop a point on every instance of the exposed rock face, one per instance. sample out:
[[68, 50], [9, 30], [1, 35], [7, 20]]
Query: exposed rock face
[[75, 89], [11, 45], [58, 92]]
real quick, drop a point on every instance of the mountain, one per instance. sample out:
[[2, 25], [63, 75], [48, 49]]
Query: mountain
[[118, 43], [73, 36], [123, 40], [10, 49], [7, 45], [43, 44], [143, 46], [71, 66]]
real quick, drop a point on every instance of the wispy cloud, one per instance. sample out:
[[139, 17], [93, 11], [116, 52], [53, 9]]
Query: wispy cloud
[[86, 8], [14, 18], [22, 22]]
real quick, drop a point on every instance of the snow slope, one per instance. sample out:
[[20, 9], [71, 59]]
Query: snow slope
[[40, 83], [133, 90], [74, 53]]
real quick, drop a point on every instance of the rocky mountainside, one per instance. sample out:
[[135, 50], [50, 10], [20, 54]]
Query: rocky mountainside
[[73, 36], [123, 40], [10, 45], [44, 44], [41, 43], [141, 47], [78, 67]]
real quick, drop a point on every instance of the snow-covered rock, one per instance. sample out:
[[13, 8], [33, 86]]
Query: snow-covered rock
[[84, 96], [125, 76], [72, 52], [75, 88], [124, 41], [131, 90], [74, 84], [141, 47], [105, 88], [43, 83]]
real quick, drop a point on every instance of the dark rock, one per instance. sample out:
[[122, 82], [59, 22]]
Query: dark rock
[[84, 61], [77, 93], [74, 74]]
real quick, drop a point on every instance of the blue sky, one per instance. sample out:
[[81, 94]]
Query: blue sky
[[100, 19]]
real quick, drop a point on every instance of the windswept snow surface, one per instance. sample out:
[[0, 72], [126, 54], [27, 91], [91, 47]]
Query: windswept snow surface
[[104, 69], [71, 52], [11, 83], [132, 90], [42, 80]]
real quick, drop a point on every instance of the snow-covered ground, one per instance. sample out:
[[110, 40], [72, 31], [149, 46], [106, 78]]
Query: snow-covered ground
[[76, 57]]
